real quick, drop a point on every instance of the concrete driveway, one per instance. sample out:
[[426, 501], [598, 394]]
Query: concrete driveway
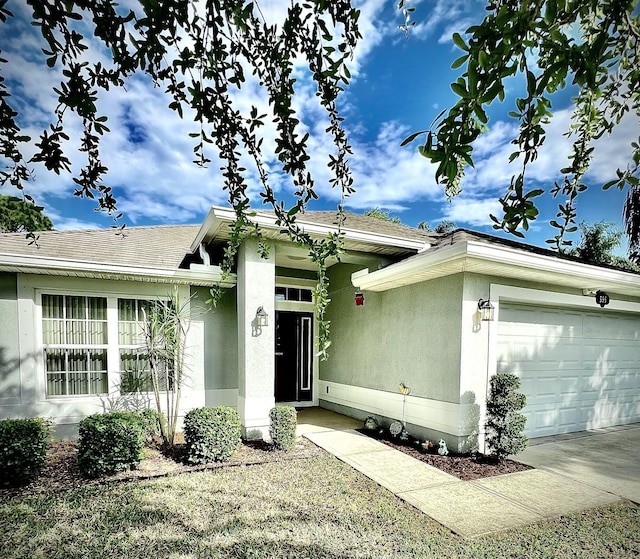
[[608, 459]]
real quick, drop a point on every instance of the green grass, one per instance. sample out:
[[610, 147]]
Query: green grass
[[308, 508]]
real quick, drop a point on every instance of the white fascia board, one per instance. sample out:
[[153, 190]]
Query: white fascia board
[[218, 216], [388, 278], [408, 271], [59, 266], [209, 227], [551, 264]]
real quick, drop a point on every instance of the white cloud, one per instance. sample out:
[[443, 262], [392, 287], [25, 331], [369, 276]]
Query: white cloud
[[470, 212], [444, 18]]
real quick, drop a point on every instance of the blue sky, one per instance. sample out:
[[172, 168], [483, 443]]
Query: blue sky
[[399, 85]]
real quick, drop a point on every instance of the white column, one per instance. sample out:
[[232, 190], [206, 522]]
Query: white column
[[256, 361]]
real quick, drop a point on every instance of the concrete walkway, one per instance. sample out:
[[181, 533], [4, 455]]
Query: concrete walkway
[[468, 508]]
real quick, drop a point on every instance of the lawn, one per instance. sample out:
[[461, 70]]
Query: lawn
[[313, 507]]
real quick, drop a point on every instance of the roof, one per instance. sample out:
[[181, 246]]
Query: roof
[[363, 234], [161, 247], [153, 253], [369, 224], [162, 253]]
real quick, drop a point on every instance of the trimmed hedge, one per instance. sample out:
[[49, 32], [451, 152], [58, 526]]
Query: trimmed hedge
[[110, 442], [211, 434], [505, 425], [283, 427], [23, 449]]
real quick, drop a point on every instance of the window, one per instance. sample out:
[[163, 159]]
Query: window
[[74, 330], [134, 362], [294, 294]]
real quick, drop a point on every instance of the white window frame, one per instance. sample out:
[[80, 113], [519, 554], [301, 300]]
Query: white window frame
[[67, 346], [31, 290]]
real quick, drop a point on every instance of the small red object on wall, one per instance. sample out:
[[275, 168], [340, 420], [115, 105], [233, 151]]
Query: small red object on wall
[[359, 299]]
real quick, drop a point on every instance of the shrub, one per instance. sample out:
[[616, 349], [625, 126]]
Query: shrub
[[504, 423], [23, 449], [109, 443], [211, 434], [283, 427], [150, 421]]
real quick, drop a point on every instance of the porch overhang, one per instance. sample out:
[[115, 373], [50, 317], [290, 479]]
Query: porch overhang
[[216, 226], [501, 261]]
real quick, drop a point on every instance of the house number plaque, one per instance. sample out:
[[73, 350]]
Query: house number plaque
[[602, 298]]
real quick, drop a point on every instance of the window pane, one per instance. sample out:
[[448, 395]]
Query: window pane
[[76, 332], [126, 309], [134, 372], [78, 383], [97, 308], [55, 360], [56, 385], [293, 294], [52, 306], [306, 295], [53, 331], [77, 360], [97, 332], [98, 376], [76, 307]]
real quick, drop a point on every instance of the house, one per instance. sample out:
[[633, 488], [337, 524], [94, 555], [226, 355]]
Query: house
[[404, 309]]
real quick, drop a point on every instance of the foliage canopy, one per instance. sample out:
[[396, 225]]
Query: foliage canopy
[[591, 45], [22, 216], [201, 53]]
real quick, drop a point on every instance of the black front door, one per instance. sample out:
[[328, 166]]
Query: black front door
[[294, 356]]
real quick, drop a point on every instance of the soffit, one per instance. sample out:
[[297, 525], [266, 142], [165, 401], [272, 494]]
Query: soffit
[[502, 262]]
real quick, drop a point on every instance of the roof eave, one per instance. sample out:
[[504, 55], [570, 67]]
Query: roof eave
[[217, 217], [17, 263], [478, 257]]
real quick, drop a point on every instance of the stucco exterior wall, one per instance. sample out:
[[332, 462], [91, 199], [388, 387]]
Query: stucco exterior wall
[[220, 346], [66, 410], [409, 335], [9, 349]]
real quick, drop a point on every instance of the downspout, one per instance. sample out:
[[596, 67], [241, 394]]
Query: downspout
[[206, 259]]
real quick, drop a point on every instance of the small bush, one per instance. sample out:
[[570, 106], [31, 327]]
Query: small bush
[[109, 443], [211, 434], [283, 427], [504, 423], [150, 421], [23, 449]]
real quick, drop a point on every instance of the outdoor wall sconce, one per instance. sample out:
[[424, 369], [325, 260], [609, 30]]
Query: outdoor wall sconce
[[262, 318], [485, 308]]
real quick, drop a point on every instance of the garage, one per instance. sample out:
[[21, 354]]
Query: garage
[[580, 369]]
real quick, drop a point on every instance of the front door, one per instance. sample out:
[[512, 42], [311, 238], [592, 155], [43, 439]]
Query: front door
[[294, 356]]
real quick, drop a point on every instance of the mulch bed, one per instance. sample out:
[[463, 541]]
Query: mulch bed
[[60, 473], [466, 467]]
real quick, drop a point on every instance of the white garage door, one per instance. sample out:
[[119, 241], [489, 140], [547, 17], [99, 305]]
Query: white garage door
[[579, 369]]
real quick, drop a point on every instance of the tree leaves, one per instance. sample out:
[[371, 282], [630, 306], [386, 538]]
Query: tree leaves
[[198, 52], [593, 44], [22, 216]]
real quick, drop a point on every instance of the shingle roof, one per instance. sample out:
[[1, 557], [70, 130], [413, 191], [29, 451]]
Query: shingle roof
[[159, 247], [369, 224]]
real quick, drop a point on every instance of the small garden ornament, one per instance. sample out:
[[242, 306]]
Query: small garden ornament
[[370, 423], [442, 448]]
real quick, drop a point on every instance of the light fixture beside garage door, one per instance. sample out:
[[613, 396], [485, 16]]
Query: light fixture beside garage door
[[486, 310]]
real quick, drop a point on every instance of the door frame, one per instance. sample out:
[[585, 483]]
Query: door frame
[[302, 307]]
